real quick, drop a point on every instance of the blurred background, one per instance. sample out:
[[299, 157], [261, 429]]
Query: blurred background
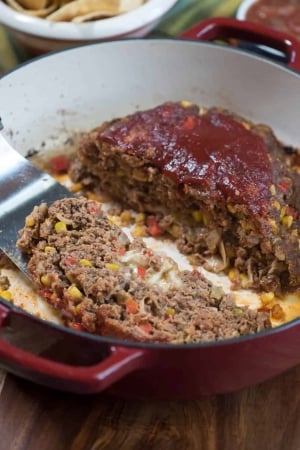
[[183, 15]]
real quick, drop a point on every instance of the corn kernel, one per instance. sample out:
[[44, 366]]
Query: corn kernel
[[45, 280], [76, 187], [273, 189], [267, 297], [233, 274], [78, 308], [125, 217], [62, 178], [115, 220], [6, 295], [185, 103], [85, 262], [205, 219], [246, 125], [273, 225], [287, 221], [48, 249], [29, 221], [74, 291], [175, 230], [197, 216], [282, 212], [276, 205], [170, 311], [277, 312], [93, 196], [140, 218], [60, 227], [231, 208], [112, 266], [246, 225], [138, 231], [70, 278], [243, 280], [139, 175]]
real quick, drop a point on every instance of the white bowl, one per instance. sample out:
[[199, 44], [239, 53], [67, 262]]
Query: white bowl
[[37, 36], [243, 9]]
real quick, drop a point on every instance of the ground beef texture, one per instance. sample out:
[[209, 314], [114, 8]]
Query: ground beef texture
[[104, 283]]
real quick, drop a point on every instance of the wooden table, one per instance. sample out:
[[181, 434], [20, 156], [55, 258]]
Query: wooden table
[[265, 417]]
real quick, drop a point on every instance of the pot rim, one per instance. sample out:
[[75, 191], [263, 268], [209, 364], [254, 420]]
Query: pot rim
[[117, 342], [170, 40]]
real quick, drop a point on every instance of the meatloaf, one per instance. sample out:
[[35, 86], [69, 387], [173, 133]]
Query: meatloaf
[[220, 185], [86, 267]]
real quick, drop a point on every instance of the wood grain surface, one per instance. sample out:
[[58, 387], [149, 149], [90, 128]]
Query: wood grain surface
[[264, 417]]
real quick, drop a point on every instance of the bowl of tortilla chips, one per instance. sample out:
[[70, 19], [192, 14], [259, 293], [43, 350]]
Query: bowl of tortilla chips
[[40, 26]]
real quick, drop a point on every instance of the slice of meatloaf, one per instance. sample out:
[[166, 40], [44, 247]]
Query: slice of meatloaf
[[219, 184], [87, 268]]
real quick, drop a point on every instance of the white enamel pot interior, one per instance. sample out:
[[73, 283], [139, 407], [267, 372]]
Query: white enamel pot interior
[[77, 89]]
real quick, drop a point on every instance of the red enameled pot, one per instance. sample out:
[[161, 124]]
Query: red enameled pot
[[81, 87]]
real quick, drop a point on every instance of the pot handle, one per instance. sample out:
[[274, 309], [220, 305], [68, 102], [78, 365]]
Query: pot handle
[[226, 28], [79, 379]]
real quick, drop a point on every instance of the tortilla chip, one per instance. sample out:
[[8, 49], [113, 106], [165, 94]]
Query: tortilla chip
[[63, 2], [76, 11], [128, 5], [103, 8], [43, 12], [92, 16], [33, 4]]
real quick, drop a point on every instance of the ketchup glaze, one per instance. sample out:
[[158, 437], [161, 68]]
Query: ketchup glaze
[[212, 152]]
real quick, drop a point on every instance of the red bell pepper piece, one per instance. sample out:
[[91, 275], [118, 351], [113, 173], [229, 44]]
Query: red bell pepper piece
[[131, 306], [70, 260], [154, 228], [146, 327], [59, 164], [141, 271]]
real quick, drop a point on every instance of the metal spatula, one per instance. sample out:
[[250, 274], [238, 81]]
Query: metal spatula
[[22, 186]]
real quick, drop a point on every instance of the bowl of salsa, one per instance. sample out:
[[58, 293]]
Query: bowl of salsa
[[281, 15]]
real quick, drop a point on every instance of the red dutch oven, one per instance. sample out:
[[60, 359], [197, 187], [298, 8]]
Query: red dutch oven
[[114, 78]]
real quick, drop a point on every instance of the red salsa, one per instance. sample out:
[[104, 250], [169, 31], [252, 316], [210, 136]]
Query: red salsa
[[281, 15]]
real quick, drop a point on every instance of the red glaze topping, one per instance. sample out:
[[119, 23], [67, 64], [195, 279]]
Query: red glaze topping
[[212, 152]]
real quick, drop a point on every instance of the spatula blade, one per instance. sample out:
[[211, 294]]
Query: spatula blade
[[22, 186]]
